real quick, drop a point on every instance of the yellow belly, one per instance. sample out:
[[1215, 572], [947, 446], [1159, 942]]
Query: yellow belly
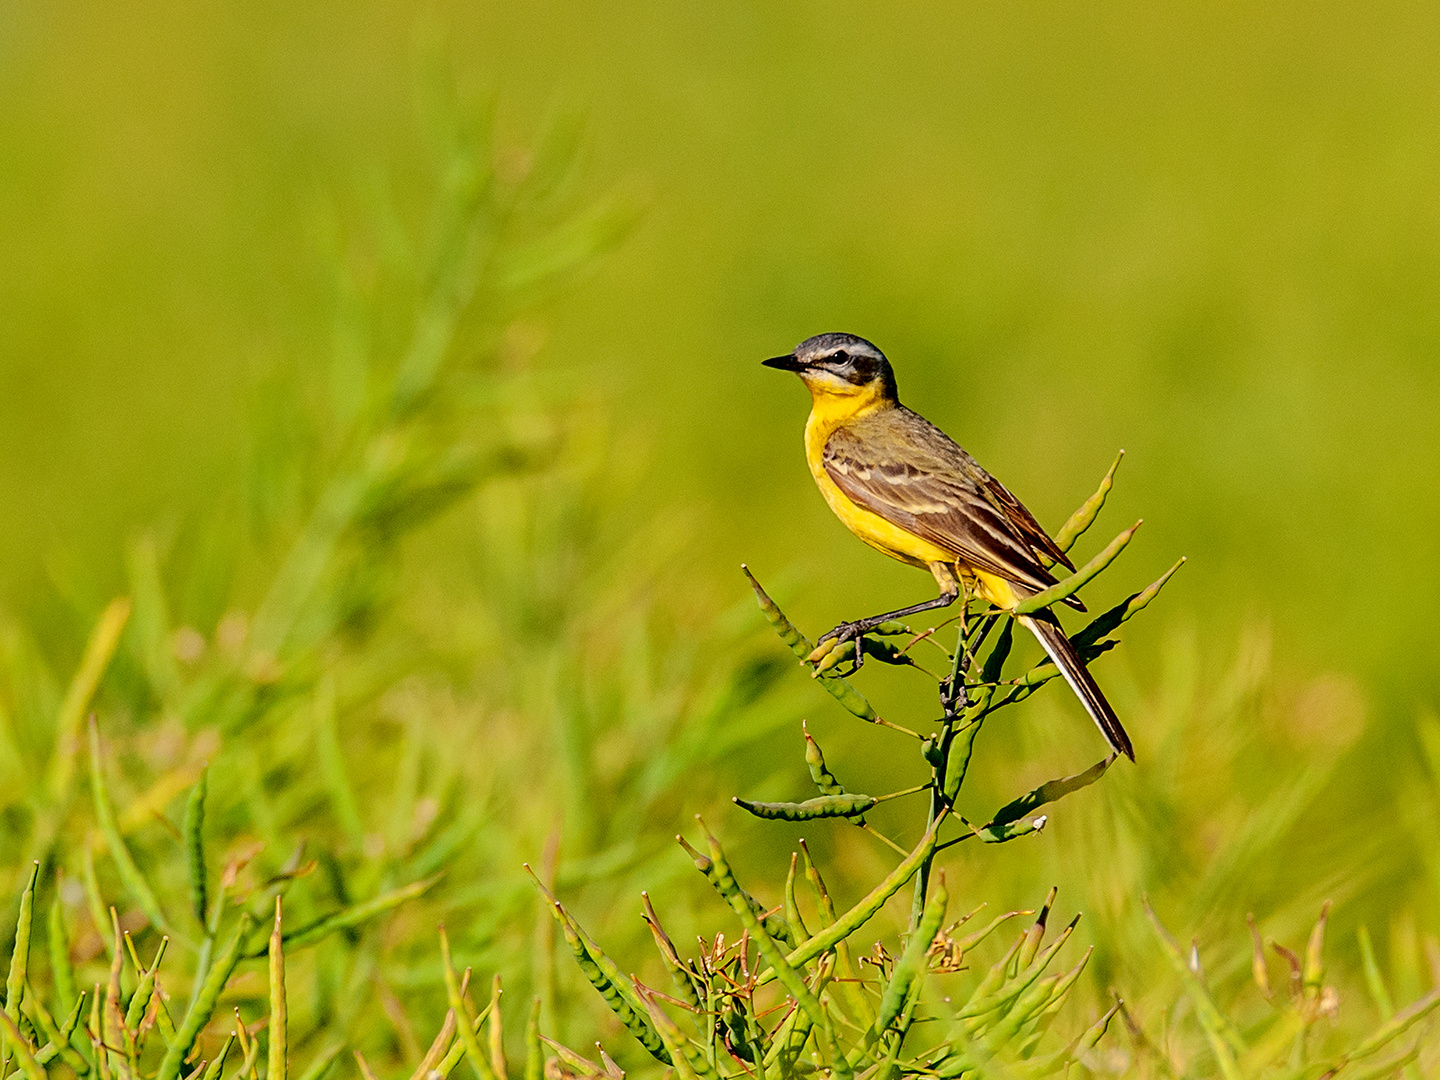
[[825, 415]]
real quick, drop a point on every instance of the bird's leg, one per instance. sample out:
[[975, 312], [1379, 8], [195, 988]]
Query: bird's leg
[[856, 631]]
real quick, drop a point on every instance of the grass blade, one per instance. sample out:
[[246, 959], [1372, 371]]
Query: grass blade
[[130, 874], [357, 913], [99, 650]]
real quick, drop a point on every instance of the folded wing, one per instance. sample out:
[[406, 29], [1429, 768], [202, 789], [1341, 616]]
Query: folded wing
[[898, 465]]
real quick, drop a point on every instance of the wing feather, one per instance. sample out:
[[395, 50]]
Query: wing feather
[[898, 465]]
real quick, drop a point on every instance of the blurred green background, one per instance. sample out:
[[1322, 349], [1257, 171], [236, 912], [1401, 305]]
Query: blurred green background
[[1206, 235], [1209, 235]]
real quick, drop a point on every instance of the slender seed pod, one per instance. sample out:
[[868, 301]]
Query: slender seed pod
[[740, 903], [1036, 934], [775, 925], [1122, 612], [198, 1015], [60, 1044], [140, 1000], [15, 1040], [971, 1014], [62, 969], [277, 1050], [688, 1064], [435, 1054], [1314, 971], [912, 963], [20, 957], [792, 908], [1014, 830], [857, 1003], [214, 1070], [833, 657], [194, 834], [1067, 587], [1089, 510], [826, 806], [873, 901], [849, 698], [602, 973], [684, 979], [497, 1031], [469, 1024], [969, 941], [1049, 792], [815, 758]]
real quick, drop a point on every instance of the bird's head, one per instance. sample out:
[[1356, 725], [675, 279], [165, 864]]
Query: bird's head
[[840, 364]]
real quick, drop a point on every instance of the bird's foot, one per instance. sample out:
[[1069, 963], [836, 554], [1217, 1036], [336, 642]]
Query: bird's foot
[[845, 642]]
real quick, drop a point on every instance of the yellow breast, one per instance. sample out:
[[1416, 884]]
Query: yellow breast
[[829, 411]]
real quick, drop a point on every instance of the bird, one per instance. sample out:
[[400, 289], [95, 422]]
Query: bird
[[907, 489]]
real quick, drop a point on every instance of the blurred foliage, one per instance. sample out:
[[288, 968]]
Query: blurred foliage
[[427, 548]]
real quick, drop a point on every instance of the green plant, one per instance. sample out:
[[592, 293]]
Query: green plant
[[789, 998]]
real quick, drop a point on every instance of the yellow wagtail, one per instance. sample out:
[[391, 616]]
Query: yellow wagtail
[[906, 488]]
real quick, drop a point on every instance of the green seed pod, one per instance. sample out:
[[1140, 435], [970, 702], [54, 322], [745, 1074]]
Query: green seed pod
[[194, 833], [468, 1023], [1000, 834], [912, 963], [140, 1000], [684, 979], [1089, 510], [833, 658], [216, 1067], [1067, 587], [741, 903], [57, 1040], [826, 806], [893, 628], [62, 970], [602, 973], [1102, 624], [873, 901], [792, 908], [774, 924], [198, 1015], [886, 653], [849, 698], [1049, 792], [277, 1056], [20, 957], [783, 627]]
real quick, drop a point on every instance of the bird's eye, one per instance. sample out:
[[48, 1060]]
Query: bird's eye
[[842, 357]]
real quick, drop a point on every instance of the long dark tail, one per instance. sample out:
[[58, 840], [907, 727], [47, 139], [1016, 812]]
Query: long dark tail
[[1058, 647]]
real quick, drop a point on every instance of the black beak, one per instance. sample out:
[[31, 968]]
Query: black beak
[[785, 363]]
